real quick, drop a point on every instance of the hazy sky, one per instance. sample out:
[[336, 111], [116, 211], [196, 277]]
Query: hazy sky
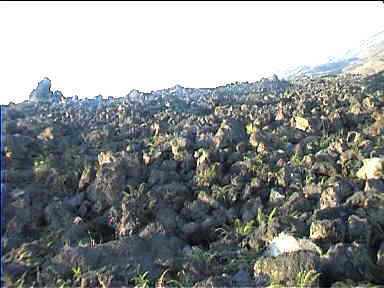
[[110, 48]]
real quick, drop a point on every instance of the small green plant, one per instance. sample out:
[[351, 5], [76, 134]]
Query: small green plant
[[67, 244], [323, 143], [296, 160], [162, 282], [234, 261], [141, 280], [82, 243], [19, 283], [61, 283], [41, 166], [129, 211], [20, 255], [309, 179], [266, 220], [42, 160], [200, 255], [207, 175], [275, 285], [76, 272], [247, 157], [306, 278], [224, 193], [104, 279], [250, 128], [243, 229], [183, 280], [92, 241]]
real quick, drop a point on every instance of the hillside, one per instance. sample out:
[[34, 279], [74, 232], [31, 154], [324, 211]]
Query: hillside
[[365, 59]]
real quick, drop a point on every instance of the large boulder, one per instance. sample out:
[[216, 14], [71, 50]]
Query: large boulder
[[109, 184], [174, 194], [230, 132], [153, 255], [285, 268], [42, 93], [350, 261], [372, 169]]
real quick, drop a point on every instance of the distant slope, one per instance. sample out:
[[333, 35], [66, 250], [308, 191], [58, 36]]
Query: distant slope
[[366, 59]]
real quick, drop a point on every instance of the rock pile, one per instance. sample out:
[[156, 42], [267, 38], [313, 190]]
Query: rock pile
[[248, 184]]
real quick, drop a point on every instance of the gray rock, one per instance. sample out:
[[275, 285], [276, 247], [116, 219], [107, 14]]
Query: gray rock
[[87, 176], [131, 251], [350, 261], [192, 233], [75, 201], [58, 215], [109, 184], [334, 195], [230, 132], [250, 209], [213, 282], [324, 168], [359, 230], [285, 267], [168, 218], [43, 92], [75, 233], [242, 279], [330, 231], [173, 193], [161, 177], [374, 185]]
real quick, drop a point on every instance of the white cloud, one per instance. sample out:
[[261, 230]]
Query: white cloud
[[111, 48]]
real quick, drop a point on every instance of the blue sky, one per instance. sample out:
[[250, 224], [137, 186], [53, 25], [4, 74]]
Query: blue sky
[[110, 48]]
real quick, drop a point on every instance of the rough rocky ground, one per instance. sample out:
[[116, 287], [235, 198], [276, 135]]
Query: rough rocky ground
[[248, 185]]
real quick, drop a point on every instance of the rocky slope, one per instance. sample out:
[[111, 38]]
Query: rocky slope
[[248, 185]]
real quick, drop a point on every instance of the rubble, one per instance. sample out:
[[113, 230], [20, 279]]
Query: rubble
[[254, 184]]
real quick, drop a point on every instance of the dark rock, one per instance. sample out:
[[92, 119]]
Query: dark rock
[[334, 195], [230, 132], [297, 202], [256, 239], [242, 279], [109, 184], [350, 261], [133, 251], [250, 209], [374, 186], [16, 270], [196, 210], [193, 233], [75, 201], [58, 215], [161, 177], [329, 231], [173, 193], [359, 230], [213, 282], [87, 176], [76, 232], [169, 219], [324, 168]]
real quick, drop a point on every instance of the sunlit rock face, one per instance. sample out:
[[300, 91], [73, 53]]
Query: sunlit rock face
[[43, 93]]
